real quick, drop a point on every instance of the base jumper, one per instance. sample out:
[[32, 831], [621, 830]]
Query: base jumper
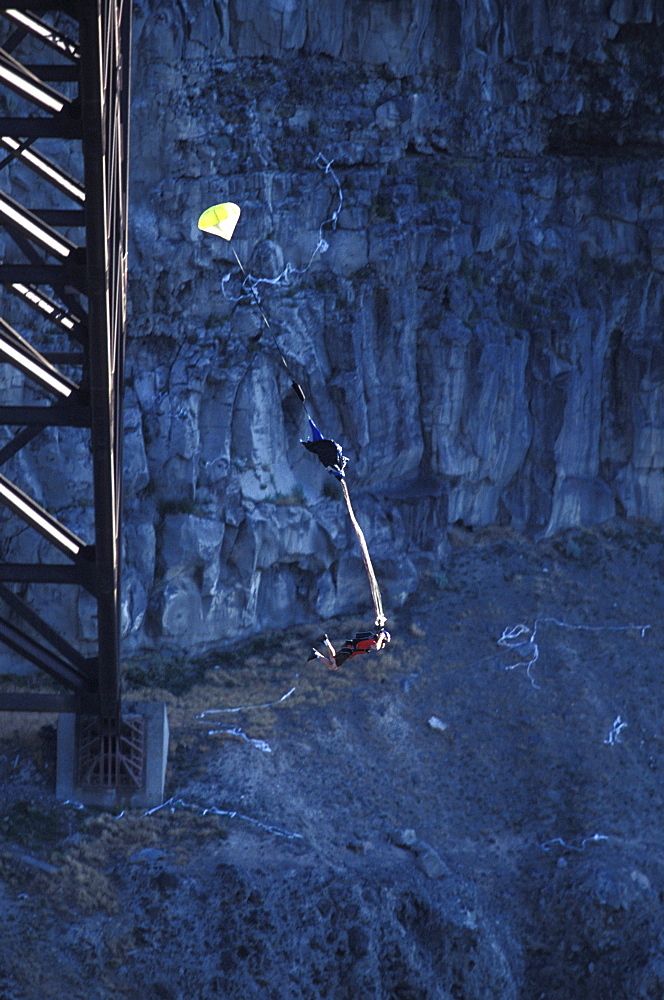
[[361, 643]]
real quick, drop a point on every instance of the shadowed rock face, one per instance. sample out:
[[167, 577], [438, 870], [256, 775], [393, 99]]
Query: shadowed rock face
[[483, 331]]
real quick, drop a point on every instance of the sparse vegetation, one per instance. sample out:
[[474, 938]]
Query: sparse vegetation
[[175, 672]]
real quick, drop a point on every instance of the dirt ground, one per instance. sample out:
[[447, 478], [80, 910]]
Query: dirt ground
[[473, 812]]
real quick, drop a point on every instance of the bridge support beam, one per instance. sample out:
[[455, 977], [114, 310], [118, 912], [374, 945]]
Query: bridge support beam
[[64, 147]]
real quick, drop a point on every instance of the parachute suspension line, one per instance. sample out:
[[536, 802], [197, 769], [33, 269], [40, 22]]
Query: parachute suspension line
[[335, 464], [252, 289], [221, 220], [251, 282], [366, 558], [297, 388]]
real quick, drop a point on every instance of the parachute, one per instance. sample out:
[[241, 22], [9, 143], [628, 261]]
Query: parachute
[[221, 220]]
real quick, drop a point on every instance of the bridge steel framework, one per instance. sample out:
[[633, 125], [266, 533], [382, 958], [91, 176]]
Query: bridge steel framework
[[64, 75]]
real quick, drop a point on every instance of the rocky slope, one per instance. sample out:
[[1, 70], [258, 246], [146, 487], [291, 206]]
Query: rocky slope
[[437, 821]]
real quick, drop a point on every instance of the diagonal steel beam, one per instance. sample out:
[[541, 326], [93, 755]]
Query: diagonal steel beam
[[76, 660], [28, 86], [66, 317], [38, 517], [20, 439], [15, 350], [28, 225], [42, 657], [46, 33]]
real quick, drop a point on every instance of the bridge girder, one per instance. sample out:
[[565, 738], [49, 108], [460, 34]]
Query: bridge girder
[[64, 129]]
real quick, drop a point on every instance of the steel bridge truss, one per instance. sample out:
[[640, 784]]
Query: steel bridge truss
[[64, 114]]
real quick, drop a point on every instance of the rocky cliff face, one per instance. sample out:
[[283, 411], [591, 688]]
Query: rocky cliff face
[[483, 331]]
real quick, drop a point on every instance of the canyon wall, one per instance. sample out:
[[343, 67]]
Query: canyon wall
[[458, 210]]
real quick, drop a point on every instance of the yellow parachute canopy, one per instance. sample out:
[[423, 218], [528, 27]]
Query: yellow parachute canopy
[[220, 220]]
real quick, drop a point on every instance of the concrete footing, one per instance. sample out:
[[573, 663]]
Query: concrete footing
[[122, 769]]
